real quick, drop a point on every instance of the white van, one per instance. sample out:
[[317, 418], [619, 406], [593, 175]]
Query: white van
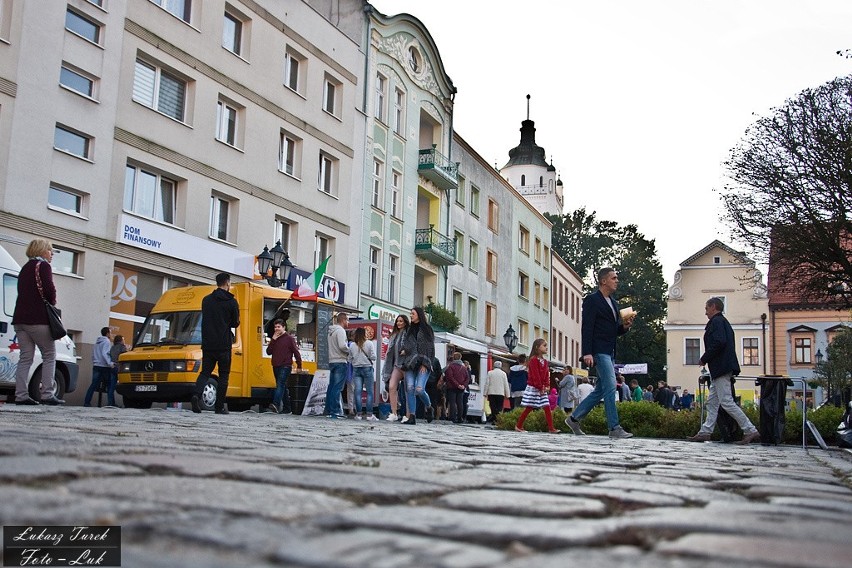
[[66, 352]]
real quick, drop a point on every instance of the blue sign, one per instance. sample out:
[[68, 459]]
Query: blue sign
[[329, 287]]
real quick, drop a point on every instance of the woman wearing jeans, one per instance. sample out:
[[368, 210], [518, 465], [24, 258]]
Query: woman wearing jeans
[[416, 354], [362, 355]]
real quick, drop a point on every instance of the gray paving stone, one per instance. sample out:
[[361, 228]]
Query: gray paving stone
[[523, 503], [32, 468]]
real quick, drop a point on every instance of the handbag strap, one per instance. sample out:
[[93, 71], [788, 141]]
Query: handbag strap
[[38, 281]]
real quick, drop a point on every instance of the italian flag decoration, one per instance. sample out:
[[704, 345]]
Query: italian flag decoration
[[310, 285]]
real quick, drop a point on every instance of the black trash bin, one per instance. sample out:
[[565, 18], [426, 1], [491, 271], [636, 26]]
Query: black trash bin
[[299, 384], [773, 406]]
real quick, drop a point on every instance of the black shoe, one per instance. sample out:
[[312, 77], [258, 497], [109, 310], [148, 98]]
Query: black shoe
[[430, 414], [52, 401], [27, 401], [196, 407], [287, 410], [411, 421], [223, 410], [272, 408]]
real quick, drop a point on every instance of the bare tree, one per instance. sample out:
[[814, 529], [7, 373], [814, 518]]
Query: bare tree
[[790, 192]]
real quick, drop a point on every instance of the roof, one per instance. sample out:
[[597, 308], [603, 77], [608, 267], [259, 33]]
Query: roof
[[718, 244], [527, 153]]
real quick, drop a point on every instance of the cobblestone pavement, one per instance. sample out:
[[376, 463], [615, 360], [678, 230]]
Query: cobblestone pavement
[[267, 490]]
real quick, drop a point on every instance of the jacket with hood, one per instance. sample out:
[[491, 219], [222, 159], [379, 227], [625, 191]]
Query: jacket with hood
[[338, 347], [100, 352], [219, 313]]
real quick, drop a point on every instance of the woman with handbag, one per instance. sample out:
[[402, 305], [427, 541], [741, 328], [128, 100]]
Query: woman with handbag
[[32, 327]]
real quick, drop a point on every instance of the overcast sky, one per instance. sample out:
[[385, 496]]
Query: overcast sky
[[638, 102]]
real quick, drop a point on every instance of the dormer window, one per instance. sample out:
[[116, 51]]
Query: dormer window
[[717, 260]]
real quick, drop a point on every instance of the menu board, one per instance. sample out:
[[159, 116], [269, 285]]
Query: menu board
[[324, 317]]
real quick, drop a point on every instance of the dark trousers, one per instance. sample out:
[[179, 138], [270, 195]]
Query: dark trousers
[[455, 403], [495, 401], [209, 360], [100, 382], [281, 398]]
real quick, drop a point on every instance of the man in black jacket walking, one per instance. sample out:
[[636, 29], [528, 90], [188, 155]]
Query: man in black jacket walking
[[720, 356], [220, 313]]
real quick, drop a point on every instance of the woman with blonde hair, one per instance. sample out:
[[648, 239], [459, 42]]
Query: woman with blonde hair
[[35, 287]]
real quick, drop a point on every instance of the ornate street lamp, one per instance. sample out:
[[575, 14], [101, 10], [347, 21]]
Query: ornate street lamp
[[510, 338], [819, 357], [273, 260]]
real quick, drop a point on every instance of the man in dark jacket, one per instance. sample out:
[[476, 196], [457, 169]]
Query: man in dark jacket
[[720, 356], [456, 378], [220, 313]]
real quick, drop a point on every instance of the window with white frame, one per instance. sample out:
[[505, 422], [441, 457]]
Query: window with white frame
[[393, 277], [523, 332], [802, 350], [399, 112], [65, 261], [227, 116], [472, 308], [490, 319], [691, 351], [322, 250], [149, 194], [327, 178], [375, 278], [751, 351], [396, 192], [178, 8], [474, 201], [75, 80], [232, 33], [381, 96], [82, 26], [524, 240], [523, 285], [160, 90], [222, 217], [290, 155], [458, 297], [65, 199], [76, 143], [473, 256], [378, 185], [294, 69], [284, 228], [331, 95]]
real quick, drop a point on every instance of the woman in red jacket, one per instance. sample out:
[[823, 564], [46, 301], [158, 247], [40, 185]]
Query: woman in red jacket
[[538, 387]]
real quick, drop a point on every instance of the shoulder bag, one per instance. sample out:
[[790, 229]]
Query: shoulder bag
[[54, 316]]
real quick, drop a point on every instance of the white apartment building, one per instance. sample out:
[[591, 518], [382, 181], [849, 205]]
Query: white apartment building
[[158, 142]]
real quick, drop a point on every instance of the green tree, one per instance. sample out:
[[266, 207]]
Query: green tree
[[588, 244], [834, 374]]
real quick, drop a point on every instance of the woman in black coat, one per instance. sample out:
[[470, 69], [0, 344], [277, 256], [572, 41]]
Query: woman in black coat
[[415, 357]]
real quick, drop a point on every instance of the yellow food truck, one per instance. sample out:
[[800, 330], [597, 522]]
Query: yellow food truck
[[165, 360]]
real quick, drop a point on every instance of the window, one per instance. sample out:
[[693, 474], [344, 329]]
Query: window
[[378, 169], [331, 96], [220, 218], [177, 8], [290, 157], [460, 192], [159, 90], [471, 312], [66, 199], [399, 112], [751, 351], [327, 179], [692, 351], [459, 247], [493, 215], [457, 303], [76, 81], [490, 320], [545, 299], [99, 3], [537, 250], [232, 34], [536, 294], [293, 70], [473, 256], [149, 194], [523, 285], [474, 201], [546, 258], [65, 261], [491, 266], [523, 332], [322, 250], [82, 26], [374, 272], [802, 350], [283, 230], [67, 140], [393, 277], [396, 188], [524, 240], [381, 96], [226, 123]]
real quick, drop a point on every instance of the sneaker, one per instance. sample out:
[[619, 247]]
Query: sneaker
[[700, 437], [749, 438], [196, 407], [272, 408], [358, 417], [334, 416], [554, 431], [430, 414], [392, 418], [619, 432], [574, 425], [409, 420], [372, 418]]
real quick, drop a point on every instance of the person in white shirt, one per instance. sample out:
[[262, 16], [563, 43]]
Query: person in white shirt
[[584, 389], [496, 388]]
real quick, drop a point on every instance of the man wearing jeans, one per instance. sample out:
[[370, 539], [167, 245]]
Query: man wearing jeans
[[602, 324], [338, 356], [720, 356]]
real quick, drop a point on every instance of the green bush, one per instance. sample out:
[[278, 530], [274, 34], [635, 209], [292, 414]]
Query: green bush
[[650, 420]]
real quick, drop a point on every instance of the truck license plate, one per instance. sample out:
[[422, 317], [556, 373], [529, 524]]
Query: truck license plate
[[146, 388]]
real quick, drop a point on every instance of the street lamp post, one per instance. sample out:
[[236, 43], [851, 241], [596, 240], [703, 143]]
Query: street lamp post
[[270, 261], [510, 338]]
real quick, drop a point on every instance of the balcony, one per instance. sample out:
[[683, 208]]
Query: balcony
[[434, 247], [438, 169]]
